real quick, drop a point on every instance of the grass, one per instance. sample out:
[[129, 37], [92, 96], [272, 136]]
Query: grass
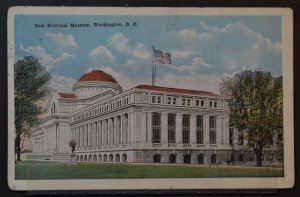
[[33, 170]]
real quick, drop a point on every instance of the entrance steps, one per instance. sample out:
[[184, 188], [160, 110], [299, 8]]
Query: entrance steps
[[38, 156], [60, 156]]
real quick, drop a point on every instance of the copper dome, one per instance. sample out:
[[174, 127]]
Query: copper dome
[[97, 75]]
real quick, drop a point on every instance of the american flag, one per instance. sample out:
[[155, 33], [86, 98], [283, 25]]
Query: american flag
[[161, 58]]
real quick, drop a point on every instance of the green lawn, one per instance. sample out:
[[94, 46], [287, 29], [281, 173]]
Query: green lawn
[[58, 170]]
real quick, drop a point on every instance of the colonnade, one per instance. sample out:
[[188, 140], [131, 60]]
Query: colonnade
[[106, 133], [49, 138]]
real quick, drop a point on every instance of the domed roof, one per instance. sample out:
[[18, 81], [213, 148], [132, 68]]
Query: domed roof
[[97, 75]]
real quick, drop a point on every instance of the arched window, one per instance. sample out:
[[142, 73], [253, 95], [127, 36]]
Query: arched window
[[53, 110], [124, 158]]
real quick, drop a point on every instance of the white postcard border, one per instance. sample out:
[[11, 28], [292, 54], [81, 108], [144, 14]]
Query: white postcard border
[[165, 183]]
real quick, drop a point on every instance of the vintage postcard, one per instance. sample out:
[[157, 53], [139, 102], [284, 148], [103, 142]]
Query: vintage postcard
[[150, 98]]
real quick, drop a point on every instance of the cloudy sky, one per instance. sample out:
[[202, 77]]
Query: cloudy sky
[[203, 48]]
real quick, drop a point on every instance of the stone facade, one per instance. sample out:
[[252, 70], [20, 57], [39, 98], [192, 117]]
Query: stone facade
[[144, 124]]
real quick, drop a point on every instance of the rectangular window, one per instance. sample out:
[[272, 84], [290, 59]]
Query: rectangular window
[[156, 158], [158, 99], [186, 129], [199, 129], [153, 99], [212, 130], [215, 104], [183, 101], [169, 100], [174, 101], [188, 102], [156, 128], [210, 104], [197, 103], [202, 103], [171, 128]]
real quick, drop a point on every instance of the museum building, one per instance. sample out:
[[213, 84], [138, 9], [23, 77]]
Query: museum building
[[143, 124]]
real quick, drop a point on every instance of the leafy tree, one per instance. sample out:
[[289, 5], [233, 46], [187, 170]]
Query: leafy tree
[[255, 99], [31, 83]]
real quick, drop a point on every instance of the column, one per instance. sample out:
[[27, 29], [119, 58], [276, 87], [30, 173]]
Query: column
[[94, 125], [103, 132], [91, 139], [43, 142], [57, 136], [178, 128], [219, 128], [96, 135], [109, 132], [225, 129], [81, 136], [164, 129], [85, 136], [39, 145], [206, 129], [144, 136], [78, 136], [115, 130], [100, 134], [45, 137], [53, 139], [51, 136], [149, 126], [193, 129], [129, 129], [125, 129], [48, 137], [121, 130], [88, 132]]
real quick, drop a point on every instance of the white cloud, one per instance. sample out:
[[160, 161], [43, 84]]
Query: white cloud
[[182, 53], [140, 51], [187, 34], [193, 82], [60, 38], [46, 59], [196, 64], [121, 43], [229, 47], [198, 61], [62, 83], [130, 62], [103, 52]]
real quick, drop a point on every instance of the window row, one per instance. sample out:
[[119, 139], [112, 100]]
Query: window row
[[171, 126], [186, 158], [102, 108], [173, 100]]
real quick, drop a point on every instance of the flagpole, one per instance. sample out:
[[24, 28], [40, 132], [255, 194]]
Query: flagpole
[[153, 68]]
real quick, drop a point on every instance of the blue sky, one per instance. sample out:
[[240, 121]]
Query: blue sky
[[203, 48]]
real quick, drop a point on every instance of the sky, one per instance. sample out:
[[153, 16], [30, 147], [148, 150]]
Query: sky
[[203, 49]]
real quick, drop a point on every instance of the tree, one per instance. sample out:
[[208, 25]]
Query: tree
[[256, 104], [31, 83]]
